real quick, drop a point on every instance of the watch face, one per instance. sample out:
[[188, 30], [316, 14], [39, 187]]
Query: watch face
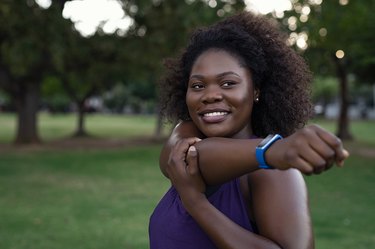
[[266, 140]]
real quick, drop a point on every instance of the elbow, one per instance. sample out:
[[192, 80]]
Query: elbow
[[163, 163]]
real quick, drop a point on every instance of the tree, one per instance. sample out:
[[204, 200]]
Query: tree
[[89, 65], [339, 43], [324, 89], [38, 44], [27, 43]]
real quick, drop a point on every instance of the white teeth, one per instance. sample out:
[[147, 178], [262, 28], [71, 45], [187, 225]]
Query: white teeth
[[212, 114]]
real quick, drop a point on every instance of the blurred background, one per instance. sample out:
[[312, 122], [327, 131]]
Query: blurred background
[[80, 132]]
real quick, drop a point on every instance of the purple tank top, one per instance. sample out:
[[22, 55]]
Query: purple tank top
[[171, 226]]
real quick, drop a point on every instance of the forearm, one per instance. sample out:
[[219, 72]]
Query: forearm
[[223, 231], [310, 150], [220, 159], [223, 159]]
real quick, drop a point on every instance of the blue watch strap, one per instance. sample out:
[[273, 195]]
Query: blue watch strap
[[262, 148]]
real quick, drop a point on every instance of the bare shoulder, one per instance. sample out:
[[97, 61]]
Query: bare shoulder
[[280, 197], [283, 188], [273, 179]]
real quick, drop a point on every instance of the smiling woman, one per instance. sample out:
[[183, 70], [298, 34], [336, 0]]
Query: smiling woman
[[220, 91], [236, 82]]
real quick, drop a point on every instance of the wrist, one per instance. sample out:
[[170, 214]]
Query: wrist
[[195, 203], [271, 155], [262, 149]]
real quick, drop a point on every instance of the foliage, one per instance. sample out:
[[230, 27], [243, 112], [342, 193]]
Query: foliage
[[324, 89], [28, 53], [338, 43], [336, 25], [137, 96], [38, 44], [162, 29], [54, 99]]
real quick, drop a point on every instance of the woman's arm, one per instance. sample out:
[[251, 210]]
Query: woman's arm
[[278, 203], [310, 150], [216, 153], [184, 130], [186, 178], [280, 207]]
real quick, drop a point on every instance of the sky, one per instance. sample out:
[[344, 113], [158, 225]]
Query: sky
[[89, 14]]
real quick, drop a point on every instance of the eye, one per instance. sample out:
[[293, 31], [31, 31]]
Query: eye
[[228, 84], [197, 85]]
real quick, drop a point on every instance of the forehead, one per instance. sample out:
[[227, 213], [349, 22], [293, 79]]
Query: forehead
[[218, 60]]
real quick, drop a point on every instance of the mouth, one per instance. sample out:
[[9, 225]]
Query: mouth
[[214, 116]]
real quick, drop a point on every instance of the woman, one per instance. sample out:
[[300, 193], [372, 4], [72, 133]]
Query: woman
[[236, 82]]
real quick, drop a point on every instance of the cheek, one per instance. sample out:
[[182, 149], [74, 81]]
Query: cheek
[[190, 100], [244, 98], [245, 104]]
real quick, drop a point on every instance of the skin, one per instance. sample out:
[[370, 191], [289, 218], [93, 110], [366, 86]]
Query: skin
[[277, 199], [220, 95]]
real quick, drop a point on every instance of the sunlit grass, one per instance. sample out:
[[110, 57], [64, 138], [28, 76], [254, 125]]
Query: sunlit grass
[[363, 131], [76, 198], [58, 126], [342, 205]]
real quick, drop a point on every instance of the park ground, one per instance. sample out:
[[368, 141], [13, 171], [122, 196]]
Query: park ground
[[99, 192]]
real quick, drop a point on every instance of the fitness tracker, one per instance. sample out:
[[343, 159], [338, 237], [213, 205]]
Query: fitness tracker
[[262, 148]]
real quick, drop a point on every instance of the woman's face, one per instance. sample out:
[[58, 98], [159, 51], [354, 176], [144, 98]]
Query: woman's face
[[220, 95]]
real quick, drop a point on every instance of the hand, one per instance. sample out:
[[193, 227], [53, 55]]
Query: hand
[[184, 173], [311, 150]]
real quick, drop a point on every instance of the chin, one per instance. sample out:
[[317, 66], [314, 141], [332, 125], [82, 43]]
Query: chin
[[216, 133]]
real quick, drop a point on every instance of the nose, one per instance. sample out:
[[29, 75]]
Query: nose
[[212, 94]]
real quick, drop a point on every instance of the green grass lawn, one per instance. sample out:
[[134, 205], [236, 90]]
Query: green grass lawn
[[78, 199], [57, 126], [342, 205], [103, 198]]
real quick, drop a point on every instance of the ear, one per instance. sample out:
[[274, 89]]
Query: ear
[[256, 94]]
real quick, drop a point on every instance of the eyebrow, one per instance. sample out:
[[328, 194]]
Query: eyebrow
[[198, 76]]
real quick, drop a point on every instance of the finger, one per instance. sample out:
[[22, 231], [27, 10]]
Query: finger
[[334, 142], [184, 144], [314, 160], [192, 161], [303, 166], [321, 148], [180, 149], [192, 140], [340, 163]]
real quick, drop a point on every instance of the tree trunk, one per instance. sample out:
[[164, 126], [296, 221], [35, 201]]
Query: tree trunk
[[343, 121], [80, 132], [27, 102]]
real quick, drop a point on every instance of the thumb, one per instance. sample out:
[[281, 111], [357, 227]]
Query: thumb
[[192, 161], [340, 162]]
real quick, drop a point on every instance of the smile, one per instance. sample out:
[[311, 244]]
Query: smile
[[215, 114]]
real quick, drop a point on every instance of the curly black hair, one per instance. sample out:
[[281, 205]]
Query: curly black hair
[[281, 75]]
